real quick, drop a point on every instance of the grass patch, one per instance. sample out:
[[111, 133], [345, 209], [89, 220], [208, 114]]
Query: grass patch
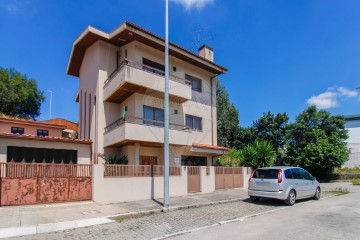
[[338, 191], [356, 181], [355, 170]]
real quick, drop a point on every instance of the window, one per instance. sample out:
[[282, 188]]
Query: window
[[41, 155], [193, 122], [17, 130], [296, 173], [42, 133], [305, 175], [153, 67], [195, 82], [155, 115], [193, 161], [288, 174], [266, 173]]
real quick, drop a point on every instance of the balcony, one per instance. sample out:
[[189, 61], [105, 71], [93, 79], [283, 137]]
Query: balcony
[[131, 77], [151, 132]]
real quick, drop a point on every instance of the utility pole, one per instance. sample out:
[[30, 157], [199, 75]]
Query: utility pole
[[50, 103], [166, 109]]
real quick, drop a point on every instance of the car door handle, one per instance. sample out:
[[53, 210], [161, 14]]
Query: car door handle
[[296, 183]]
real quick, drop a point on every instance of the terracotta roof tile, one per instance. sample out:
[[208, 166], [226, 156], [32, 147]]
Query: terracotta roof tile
[[198, 145], [42, 138]]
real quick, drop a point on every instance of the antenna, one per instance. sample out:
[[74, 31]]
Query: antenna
[[198, 39]]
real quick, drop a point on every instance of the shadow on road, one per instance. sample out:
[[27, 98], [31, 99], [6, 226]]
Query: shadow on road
[[272, 202]]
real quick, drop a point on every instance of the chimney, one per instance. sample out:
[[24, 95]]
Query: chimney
[[206, 52]]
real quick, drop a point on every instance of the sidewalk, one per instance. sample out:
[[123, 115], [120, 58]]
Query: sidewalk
[[31, 219]]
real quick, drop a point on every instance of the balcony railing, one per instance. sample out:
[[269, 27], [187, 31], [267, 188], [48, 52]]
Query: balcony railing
[[144, 68], [143, 121]]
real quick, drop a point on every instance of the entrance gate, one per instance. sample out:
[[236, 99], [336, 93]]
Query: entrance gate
[[228, 177], [31, 183], [193, 179]]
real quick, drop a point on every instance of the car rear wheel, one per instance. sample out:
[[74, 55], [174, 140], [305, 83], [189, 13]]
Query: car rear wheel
[[291, 199], [317, 194], [254, 199]]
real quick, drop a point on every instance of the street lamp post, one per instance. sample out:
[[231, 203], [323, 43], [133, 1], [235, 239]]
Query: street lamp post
[[166, 110]]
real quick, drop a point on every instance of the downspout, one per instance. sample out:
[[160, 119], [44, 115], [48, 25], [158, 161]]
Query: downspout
[[211, 102]]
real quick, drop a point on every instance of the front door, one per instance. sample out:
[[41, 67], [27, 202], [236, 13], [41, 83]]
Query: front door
[[148, 160]]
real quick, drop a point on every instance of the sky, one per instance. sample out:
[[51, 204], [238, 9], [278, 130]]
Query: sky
[[282, 55]]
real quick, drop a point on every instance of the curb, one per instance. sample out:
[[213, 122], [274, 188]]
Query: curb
[[52, 227], [73, 224]]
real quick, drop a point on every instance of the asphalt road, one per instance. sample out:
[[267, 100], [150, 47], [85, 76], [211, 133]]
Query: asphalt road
[[332, 218]]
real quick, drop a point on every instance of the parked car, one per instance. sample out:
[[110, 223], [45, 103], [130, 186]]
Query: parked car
[[284, 183]]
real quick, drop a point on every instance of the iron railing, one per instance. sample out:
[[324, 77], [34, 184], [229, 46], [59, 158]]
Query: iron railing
[[144, 68], [142, 121]]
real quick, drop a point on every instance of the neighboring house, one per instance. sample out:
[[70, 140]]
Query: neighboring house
[[121, 90], [353, 126], [29, 141], [71, 128]]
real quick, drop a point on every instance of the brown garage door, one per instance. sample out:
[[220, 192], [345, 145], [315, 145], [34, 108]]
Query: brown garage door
[[193, 179]]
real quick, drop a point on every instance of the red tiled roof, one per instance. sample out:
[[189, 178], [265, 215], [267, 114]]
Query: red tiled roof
[[198, 145], [47, 138], [30, 122]]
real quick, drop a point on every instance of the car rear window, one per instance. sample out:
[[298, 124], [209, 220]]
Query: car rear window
[[266, 173]]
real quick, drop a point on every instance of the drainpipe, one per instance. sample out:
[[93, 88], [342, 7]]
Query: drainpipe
[[211, 101]]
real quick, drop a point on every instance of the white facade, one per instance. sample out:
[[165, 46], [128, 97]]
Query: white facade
[[114, 76], [353, 127]]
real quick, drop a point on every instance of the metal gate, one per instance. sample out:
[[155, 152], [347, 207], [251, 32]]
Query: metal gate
[[228, 177], [193, 179], [30, 183]]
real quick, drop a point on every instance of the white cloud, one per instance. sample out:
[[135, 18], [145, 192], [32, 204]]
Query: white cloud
[[332, 97], [324, 100], [346, 92], [188, 4]]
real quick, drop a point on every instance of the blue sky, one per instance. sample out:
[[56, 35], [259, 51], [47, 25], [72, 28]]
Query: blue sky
[[282, 55]]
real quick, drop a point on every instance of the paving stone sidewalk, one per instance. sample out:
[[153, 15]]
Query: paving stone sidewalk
[[19, 216], [156, 224]]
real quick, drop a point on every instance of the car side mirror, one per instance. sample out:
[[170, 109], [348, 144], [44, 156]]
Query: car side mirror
[[313, 178]]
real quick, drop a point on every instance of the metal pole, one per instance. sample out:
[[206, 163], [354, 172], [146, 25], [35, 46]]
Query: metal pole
[[166, 110], [50, 103]]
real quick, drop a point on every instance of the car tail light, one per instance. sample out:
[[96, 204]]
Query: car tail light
[[280, 176], [252, 174]]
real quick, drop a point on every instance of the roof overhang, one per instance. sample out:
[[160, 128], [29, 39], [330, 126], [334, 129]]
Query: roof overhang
[[126, 33], [352, 117], [47, 139], [209, 149], [30, 122]]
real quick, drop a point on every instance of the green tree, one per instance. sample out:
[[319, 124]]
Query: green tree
[[244, 136], [258, 154], [232, 159], [317, 142], [19, 96], [227, 117], [274, 129]]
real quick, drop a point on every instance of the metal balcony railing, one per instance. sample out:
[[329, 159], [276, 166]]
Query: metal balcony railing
[[144, 68]]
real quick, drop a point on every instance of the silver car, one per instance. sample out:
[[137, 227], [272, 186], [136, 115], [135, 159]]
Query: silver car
[[284, 183]]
